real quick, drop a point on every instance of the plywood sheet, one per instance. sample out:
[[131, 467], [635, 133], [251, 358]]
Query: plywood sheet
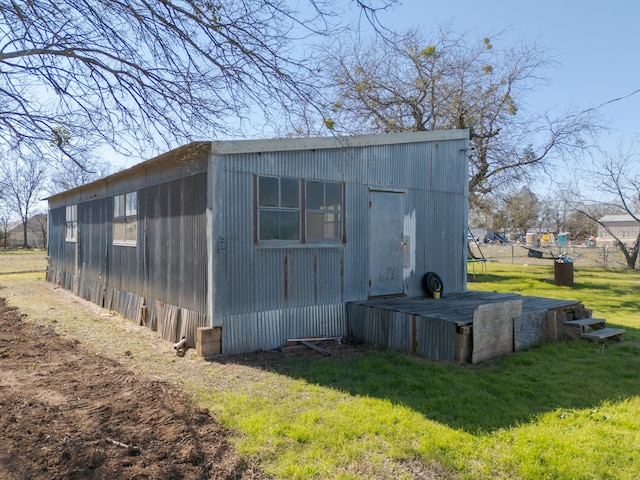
[[493, 329], [530, 328]]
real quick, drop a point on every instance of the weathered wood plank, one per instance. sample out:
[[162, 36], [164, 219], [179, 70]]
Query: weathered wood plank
[[584, 322], [530, 328], [603, 333], [493, 329], [315, 347]]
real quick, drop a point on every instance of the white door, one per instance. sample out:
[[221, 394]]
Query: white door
[[386, 248]]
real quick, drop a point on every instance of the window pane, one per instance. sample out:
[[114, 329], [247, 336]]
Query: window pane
[[71, 231], [289, 225], [131, 231], [333, 227], [268, 192], [324, 226], [315, 226], [333, 196], [118, 206], [118, 230], [269, 229], [71, 213], [132, 204], [289, 193], [315, 195]]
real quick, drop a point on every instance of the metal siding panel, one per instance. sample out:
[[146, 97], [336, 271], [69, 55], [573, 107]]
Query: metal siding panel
[[239, 334], [269, 330], [173, 242], [239, 279], [55, 239], [92, 240], [436, 338], [356, 258]]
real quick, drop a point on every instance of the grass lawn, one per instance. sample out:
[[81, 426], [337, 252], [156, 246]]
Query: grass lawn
[[567, 410], [22, 260]]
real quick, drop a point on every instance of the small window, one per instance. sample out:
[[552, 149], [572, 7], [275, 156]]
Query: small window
[[125, 219], [324, 208], [625, 234], [278, 209], [71, 223]]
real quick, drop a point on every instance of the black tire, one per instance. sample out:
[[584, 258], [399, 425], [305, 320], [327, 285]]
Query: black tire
[[431, 282]]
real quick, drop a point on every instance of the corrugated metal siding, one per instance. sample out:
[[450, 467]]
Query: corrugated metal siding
[[55, 239], [280, 279], [436, 339], [92, 240], [172, 260], [356, 272], [168, 264], [256, 331], [432, 338], [260, 294]]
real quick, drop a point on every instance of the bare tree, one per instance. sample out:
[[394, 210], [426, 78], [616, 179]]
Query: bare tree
[[614, 187], [22, 179], [5, 219], [152, 72], [412, 83], [66, 174]]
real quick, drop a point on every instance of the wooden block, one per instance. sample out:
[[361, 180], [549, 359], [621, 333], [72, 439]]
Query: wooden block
[[209, 348], [209, 334], [209, 341]]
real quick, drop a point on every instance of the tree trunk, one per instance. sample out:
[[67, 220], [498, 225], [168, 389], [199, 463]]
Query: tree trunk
[[25, 244]]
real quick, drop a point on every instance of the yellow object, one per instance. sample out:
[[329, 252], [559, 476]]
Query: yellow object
[[436, 295]]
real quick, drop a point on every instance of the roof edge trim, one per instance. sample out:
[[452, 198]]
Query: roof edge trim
[[225, 147]]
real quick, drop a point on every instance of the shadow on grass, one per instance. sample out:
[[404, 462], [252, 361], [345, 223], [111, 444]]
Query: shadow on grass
[[496, 394], [481, 278], [500, 393]]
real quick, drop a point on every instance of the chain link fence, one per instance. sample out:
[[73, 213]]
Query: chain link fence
[[583, 256]]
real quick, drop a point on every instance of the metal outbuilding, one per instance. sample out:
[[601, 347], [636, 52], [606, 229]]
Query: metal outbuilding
[[266, 239]]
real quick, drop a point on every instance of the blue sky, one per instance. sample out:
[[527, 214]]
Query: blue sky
[[596, 45]]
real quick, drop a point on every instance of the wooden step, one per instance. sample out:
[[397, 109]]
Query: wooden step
[[602, 333], [585, 322], [577, 328]]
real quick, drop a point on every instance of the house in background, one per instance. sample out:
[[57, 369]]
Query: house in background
[[36, 232], [624, 227], [267, 240]]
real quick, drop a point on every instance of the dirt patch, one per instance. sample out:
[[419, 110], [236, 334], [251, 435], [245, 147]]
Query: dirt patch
[[67, 413]]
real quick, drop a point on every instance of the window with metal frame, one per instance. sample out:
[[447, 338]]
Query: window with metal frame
[[323, 211], [71, 223], [278, 209], [125, 219]]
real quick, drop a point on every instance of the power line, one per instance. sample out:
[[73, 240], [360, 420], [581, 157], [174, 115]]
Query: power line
[[608, 102]]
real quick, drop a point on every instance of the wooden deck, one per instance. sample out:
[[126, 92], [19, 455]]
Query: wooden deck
[[466, 327], [460, 307]]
